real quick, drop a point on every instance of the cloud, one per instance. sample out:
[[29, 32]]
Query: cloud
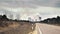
[[42, 11], [44, 8], [30, 3]]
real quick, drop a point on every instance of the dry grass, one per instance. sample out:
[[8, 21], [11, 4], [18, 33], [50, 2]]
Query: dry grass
[[18, 28], [15, 25]]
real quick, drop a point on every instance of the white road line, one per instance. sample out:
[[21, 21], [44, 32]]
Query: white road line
[[32, 26], [40, 32]]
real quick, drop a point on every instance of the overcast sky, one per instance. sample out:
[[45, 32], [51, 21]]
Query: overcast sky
[[29, 8]]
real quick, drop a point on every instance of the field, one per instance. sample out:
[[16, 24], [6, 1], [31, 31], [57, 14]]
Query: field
[[17, 28]]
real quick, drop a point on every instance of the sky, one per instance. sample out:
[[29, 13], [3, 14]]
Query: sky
[[22, 9]]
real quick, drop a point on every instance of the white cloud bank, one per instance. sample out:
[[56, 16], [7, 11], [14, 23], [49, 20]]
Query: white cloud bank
[[44, 12]]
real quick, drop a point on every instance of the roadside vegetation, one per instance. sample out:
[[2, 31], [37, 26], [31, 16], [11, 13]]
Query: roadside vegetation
[[54, 20], [9, 26]]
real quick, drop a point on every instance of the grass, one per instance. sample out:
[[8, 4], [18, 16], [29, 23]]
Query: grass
[[18, 28]]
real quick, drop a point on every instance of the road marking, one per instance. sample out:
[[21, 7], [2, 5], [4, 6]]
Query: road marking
[[39, 30], [32, 26]]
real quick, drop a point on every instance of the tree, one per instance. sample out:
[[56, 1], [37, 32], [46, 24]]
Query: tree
[[4, 17], [58, 19], [39, 18]]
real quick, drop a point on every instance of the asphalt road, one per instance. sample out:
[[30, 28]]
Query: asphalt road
[[47, 29]]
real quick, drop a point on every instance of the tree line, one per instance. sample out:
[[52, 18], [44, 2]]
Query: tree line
[[52, 20]]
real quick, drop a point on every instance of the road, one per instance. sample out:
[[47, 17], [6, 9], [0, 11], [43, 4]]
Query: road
[[47, 29]]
